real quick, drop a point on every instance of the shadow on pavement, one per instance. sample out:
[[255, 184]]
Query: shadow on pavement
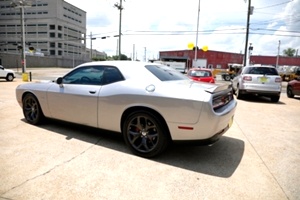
[[220, 159], [260, 99]]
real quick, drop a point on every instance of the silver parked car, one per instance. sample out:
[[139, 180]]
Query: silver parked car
[[258, 80], [150, 104]]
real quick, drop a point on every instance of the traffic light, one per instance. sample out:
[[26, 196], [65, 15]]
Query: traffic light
[[20, 47], [31, 48]]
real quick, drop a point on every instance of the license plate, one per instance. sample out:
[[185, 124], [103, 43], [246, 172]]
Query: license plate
[[263, 79]]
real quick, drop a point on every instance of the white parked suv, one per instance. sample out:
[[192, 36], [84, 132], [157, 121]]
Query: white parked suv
[[7, 74], [258, 80]]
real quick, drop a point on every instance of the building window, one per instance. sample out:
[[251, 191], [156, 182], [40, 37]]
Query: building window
[[59, 45], [60, 28], [52, 27], [52, 44], [219, 66], [59, 53], [52, 52], [59, 35], [52, 35]]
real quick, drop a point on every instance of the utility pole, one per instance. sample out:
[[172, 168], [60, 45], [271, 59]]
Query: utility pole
[[133, 52], [91, 37], [250, 11], [120, 8], [196, 45], [277, 60]]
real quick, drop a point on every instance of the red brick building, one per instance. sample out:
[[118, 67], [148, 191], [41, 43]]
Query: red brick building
[[220, 60]]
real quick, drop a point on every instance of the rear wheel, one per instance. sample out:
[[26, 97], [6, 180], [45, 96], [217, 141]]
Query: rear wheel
[[289, 92], [145, 134], [32, 110], [9, 77], [275, 99], [227, 77], [238, 93]]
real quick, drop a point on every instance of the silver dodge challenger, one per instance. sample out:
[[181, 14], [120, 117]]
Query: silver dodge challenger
[[150, 104]]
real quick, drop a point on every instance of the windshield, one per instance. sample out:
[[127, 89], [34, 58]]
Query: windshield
[[165, 73]]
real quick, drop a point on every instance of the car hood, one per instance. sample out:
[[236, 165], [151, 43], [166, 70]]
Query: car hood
[[9, 70]]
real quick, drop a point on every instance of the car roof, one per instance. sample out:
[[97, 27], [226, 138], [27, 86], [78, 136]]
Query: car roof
[[268, 66], [200, 69]]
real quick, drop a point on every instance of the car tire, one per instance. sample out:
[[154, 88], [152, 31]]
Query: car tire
[[9, 77], [145, 134], [238, 93], [227, 78], [32, 110], [275, 99], [289, 92]]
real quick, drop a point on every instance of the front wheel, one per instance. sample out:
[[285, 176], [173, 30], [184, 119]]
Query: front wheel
[[9, 77], [145, 134], [289, 92], [32, 110]]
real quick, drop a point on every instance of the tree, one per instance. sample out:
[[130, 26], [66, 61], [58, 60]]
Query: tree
[[290, 52], [123, 57]]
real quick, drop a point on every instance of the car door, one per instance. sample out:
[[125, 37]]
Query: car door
[[296, 87], [76, 99], [2, 72]]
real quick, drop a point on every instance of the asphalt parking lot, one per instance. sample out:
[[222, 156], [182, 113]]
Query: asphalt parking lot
[[258, 158]]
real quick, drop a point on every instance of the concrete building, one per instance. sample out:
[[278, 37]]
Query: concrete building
[[53, 27]]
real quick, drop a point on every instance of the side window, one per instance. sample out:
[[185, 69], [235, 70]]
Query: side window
[[89, 75], [111, 75]]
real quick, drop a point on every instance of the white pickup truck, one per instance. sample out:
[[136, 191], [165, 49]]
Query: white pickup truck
[[7, 74]]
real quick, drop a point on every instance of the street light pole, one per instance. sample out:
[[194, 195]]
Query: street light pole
[[21, 4], [23, 57]]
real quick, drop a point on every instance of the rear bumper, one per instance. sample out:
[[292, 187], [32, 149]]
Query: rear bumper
[[203, 142], [259, 92]]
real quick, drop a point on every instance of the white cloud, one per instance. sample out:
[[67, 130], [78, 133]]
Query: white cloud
[[222, 25]]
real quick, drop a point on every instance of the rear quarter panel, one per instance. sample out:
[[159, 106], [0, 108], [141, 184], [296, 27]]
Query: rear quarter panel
[[175, 106]]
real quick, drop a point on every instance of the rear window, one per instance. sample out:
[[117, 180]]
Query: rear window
[[165, 73], [261, 70], [199, 73]]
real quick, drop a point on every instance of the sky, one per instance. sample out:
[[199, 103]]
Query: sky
[[149, 27]]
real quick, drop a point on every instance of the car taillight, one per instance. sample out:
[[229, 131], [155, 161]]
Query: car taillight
[[222, 100], [278, 80], [247, 78]]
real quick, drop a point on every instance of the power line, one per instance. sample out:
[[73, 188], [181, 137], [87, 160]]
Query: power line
[[279, 4]]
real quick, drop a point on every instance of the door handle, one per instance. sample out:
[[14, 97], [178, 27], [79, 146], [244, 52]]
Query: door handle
[[92, 92]]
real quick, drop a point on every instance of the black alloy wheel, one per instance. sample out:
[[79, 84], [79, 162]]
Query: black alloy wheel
[[32, 110], [145, 134]]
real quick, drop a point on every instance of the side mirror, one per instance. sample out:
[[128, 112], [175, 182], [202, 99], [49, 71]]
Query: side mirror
[[59, 80]]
